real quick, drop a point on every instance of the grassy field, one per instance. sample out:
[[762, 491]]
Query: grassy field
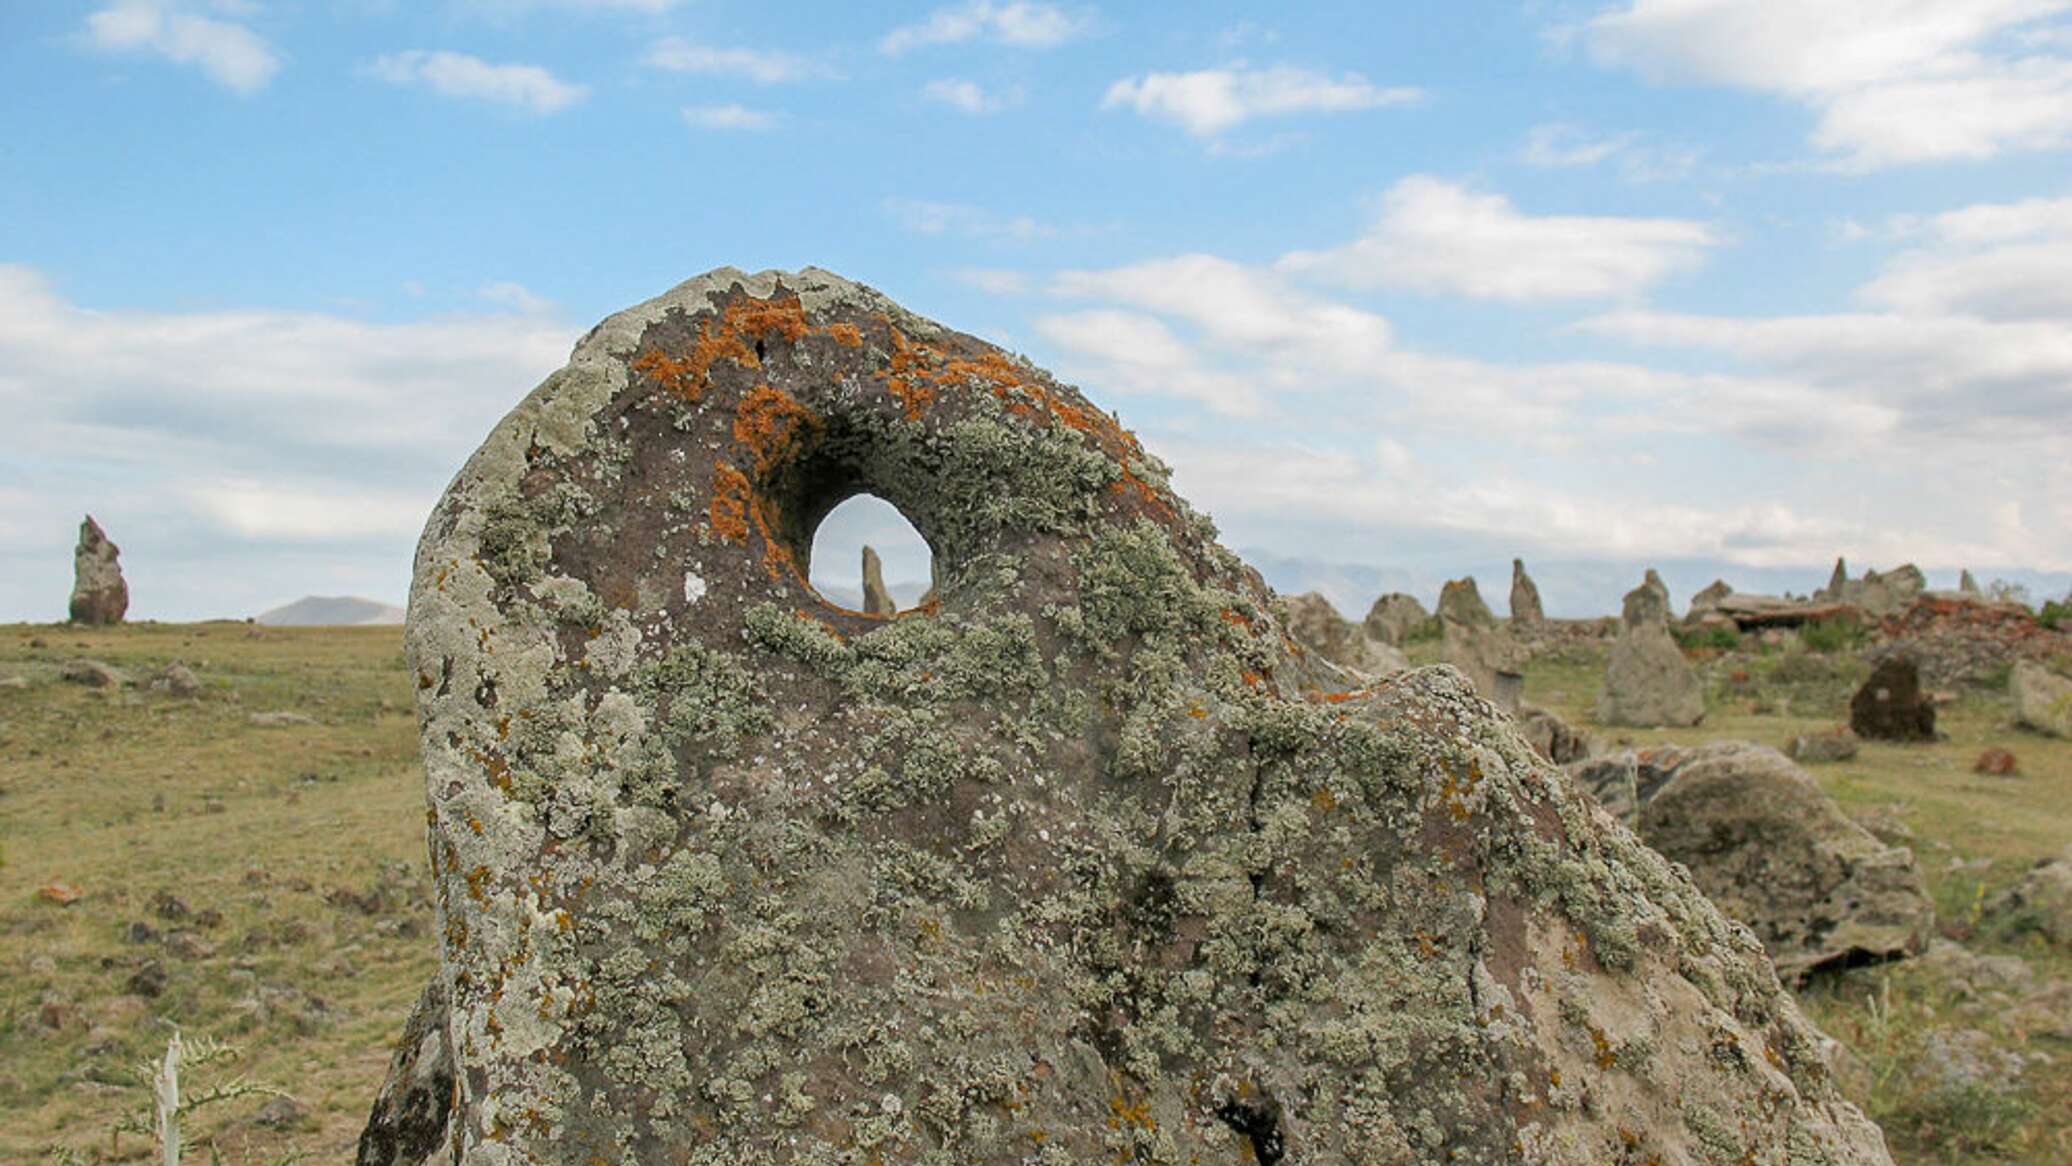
[[275, 871]]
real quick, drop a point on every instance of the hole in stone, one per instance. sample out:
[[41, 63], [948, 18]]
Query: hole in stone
[[906, 563]]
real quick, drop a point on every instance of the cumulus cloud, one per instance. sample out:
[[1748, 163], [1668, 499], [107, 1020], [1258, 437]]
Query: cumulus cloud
[[970, 97], [1437, 236], [1021, 24], [1208, 102], [1559, 145], [228, 53], [728, 117], [1891, 81], [677, 55], [926, 217], [450, 74]]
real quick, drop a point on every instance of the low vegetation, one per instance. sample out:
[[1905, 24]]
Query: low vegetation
[[168, 861]]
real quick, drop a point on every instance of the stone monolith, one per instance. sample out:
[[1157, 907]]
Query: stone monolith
[[99, 593]]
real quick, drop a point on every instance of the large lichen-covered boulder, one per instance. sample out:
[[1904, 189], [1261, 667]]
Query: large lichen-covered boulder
[[100, 595], [1771, 850], [1647, 681], [1317, 627], [1069, 865]]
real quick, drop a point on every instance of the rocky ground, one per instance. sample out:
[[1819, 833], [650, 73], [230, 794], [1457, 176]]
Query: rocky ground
[[244, 862]]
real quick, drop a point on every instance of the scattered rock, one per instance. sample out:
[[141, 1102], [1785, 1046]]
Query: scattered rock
[[56, 1015], [91, 673], [188, 944], [14, 682], [877, 598], [1836, 744], [1550, 736], [1316, 625], [1956, 1065], [1395, 617], [166, 905], [1708, 601], [1525, 598], [2042, 699], [140, 932], [1647, 681], [282, 1112], [1891, 706], [177, 680], [277, 720], [1995, 761], [63, 894], [1772, 850], [408, 1125], [1079, 856], [148, 981], [99, 595], [2041, 902]]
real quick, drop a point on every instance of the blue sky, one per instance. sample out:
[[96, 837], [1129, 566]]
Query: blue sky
[[1726, 285]]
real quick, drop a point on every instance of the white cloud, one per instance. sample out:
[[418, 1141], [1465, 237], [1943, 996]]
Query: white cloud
[[924, 217], [970, 97], [264, 511], [728, 117], [230, 54], [517, 297], [1436, 236], [451, 74], [1557, 144], [1892, 81], [678, 55], [993, 280], [1021, 24], [1207, 102]]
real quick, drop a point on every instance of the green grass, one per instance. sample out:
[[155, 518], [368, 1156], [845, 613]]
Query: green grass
[[127, 795]]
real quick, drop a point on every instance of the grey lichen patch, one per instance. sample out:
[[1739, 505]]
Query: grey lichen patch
[[1079, 862]]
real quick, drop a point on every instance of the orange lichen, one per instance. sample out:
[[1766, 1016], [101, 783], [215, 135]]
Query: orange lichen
[[783, 315], [773, 426], [846, 335], [730, 496], [683, 377]]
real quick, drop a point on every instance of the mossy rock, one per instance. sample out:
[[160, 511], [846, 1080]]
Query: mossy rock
[[1079, 862]]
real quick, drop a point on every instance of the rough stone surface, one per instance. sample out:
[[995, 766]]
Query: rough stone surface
[[1891, 705], [1526, 612], [1395, 617], [877, 598], [99, 594], [2042, 699], [2041, 902], [91, 673], [1772, 850], [1647, 681], [1707, 601], [1074, 865], [409, 1124], [177, 679], [1551, 737], [1836, 744], [1461, 601], [1316, 625]]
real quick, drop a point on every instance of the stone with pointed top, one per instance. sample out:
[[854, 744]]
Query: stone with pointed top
[[1525, 598], [877, 600], [99, 593], [1647, 681], [1966, 583], [1396, 617]]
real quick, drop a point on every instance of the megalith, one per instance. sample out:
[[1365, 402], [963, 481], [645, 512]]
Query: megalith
[[1647, 681], [877, 598], [1396, 617], [1315, 624], [1890, 706], [1471, 640], [99, 593], [1069, 864], [1526, 612]]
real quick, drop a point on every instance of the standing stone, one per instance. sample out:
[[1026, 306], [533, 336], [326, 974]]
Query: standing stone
[[1708, 601], [1472, 641], [99, 595], [1654, 581], [877, 600], [1395, 617], [1525, 598], [1966, 583], [1647, 681], [1062, 870], [1316, 625], [1891, 706], [1837, 582], [408, 1125], [2042, 699]]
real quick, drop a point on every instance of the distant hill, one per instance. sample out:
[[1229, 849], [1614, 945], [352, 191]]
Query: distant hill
[[331, 611]]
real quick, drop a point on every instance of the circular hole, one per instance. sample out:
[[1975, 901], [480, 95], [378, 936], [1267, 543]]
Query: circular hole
[[866, 520]]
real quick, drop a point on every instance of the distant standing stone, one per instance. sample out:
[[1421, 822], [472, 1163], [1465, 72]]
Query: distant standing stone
[[2042, 699], [1395, 616], [1647, 681], [1966, 583], [1461, 601], [1891, 706], [877, 599], [1525, 597], [99, 595]]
